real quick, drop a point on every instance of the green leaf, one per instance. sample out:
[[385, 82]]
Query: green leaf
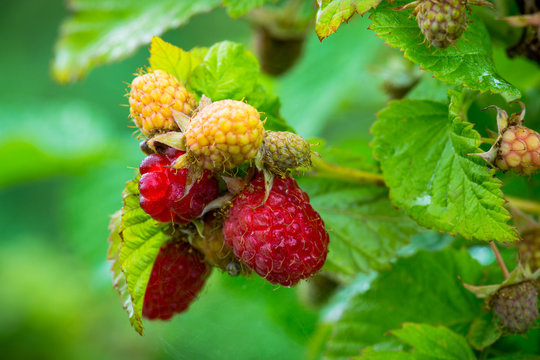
[[365, 230], [238, 8], [484, 331], [113, 254], [172, 59], [424, 152], [228, 71], [428, 343], [423, 288], [269, 106], [332, 13], [372, 354], [102, 31], [437, 342], [429, 88], [470, 63], [142, 238]]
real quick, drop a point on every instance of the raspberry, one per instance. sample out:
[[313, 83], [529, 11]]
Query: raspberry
[[224, 134], [152, 98], [516, 306], [163, 194], [442, 21], [282, 239], [529, 249], [212, 246], [178, 275], [282, 150], [519, 150]]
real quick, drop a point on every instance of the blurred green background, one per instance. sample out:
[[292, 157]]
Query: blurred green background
[[67, 151]]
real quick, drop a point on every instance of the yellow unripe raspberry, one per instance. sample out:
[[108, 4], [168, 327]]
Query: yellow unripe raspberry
[[225, 134], [152, 99], [519, 150]]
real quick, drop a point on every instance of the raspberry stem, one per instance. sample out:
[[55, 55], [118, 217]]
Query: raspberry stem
[[327, 170], [500, 260], [323, 169], [529, 206]]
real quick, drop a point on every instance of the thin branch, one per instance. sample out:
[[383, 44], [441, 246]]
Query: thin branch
[[500, 261], [529, 206], [324, 169]]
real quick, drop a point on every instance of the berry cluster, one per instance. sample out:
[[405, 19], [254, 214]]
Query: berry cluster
[[262, 222]]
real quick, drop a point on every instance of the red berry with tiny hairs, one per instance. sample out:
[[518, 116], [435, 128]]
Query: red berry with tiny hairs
[[178, 275], [162, 190], [282, 239]]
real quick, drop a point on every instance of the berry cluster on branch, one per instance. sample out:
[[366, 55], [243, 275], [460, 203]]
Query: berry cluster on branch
[[224, 185]]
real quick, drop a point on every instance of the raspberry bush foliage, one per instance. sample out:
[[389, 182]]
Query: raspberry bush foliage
[[417, 228]]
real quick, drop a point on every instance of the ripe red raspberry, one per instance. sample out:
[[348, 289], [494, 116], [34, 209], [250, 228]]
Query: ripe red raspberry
[[163, 194], [282, 239], [519, 150], [178, 275], [152, 98], [224, 134]]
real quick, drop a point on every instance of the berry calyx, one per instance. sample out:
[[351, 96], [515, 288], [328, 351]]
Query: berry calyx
[[163, 189], [519, 150], [282, 239], [178, 275], [152, 99], [283, 150], [211, 244], [516, 306], [224, 134]]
